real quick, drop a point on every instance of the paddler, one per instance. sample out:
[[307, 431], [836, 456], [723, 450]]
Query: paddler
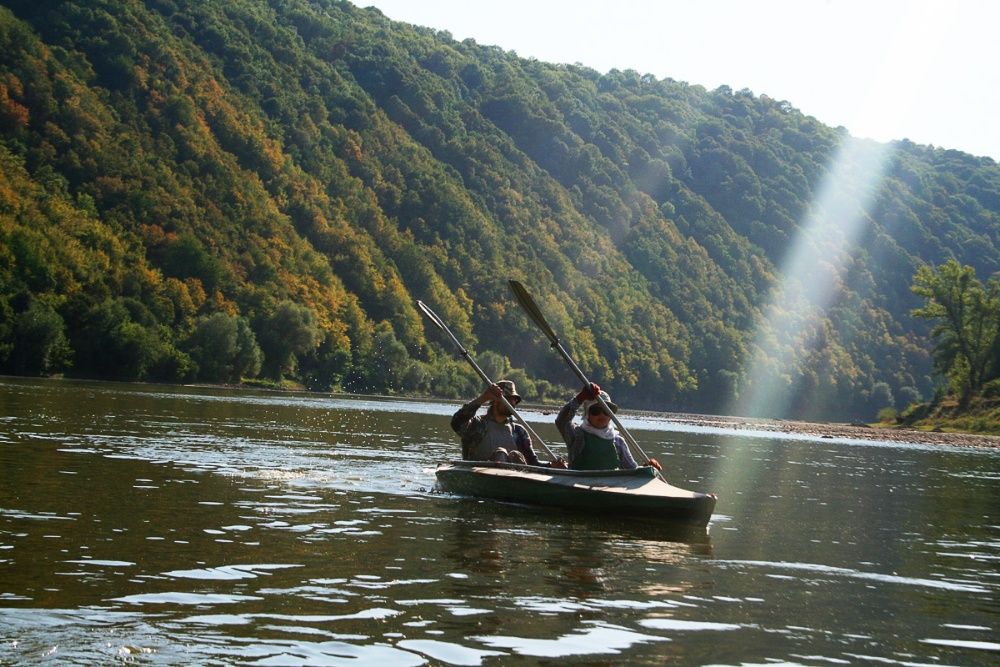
[[495, 436], [594, 444]]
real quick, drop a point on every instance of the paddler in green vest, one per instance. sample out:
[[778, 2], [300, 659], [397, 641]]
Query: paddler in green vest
[[594, 444]]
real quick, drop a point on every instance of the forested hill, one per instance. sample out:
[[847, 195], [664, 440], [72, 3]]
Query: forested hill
[[203, 191]]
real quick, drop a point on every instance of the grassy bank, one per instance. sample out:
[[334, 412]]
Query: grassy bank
[[981, 415]]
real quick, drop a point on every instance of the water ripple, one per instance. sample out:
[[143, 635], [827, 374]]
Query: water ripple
[[964, 587]]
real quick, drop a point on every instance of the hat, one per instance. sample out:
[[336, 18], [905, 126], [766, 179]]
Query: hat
[[607, 399], [507, 387]]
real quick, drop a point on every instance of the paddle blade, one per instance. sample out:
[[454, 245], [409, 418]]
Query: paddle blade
[[431, 315], [529, 305]]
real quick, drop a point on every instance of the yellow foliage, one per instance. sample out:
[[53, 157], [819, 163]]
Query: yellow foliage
[[152, 277], [196, 292], [179, 295], [12, 113], [221, 304]]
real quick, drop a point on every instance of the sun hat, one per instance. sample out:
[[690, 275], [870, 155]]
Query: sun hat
[[509, 391], [607, 399]]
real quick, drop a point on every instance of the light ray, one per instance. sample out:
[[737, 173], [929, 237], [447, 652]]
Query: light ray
[[812, 276], [814, 269]]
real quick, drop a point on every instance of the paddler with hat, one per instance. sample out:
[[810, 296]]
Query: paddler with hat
[[495, 435], [594, 444]]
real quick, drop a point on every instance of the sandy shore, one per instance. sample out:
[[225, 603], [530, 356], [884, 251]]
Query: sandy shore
[[833, 430]]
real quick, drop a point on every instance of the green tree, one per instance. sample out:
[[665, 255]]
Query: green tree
[[416, 379], [967, 319], [496, 366], [291, 330], [881, 397], [109, 344], [40, 346], [248, 359], [324, 368], [187, 258], [388, 363], [906, 397], [223, 349]]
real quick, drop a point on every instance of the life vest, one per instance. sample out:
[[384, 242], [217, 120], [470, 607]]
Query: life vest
[[597, 454]]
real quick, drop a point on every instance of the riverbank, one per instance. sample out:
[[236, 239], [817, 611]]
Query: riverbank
[[836, 430]]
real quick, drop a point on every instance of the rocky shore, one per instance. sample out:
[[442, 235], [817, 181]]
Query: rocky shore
[[834, 430]]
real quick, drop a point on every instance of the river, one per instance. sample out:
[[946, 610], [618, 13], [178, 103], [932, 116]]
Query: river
[[189, 525]]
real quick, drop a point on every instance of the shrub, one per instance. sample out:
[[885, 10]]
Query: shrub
[[887, 415], [991, 389], [915, 412], [289, 331]]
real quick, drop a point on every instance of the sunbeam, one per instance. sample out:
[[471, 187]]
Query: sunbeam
[[815, 264], [813, 275], [795, 332]]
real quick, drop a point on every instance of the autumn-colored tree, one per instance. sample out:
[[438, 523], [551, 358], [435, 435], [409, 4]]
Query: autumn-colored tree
[[165, 163]]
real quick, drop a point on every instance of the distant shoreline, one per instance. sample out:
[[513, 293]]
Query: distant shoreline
[[815, 429], [836, 430]]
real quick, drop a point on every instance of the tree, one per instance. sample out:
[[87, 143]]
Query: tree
[[40, 346], [389, 361], [495, 365], [248, 359], [223, 348], [187, 258], [881, 397], [968, 322], [289, 331], [324, 368], [906, 397], [109, 344]]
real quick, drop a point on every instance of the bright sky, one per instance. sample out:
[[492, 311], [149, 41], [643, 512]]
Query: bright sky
[[925, 70]]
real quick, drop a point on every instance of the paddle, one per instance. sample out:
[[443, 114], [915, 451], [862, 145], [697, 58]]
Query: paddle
[[432, 316], [529, 305]]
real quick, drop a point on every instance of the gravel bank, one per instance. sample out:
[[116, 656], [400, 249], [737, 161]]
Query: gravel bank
[[833, 430]]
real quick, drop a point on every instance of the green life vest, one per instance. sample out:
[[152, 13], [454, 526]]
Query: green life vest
[[597, 454]]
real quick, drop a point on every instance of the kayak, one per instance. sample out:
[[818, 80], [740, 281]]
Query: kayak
[[638, 492]]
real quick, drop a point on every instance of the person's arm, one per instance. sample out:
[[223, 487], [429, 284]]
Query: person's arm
[[624, 455], [460, 420], [523, 440], [468, 425], [564, 420]]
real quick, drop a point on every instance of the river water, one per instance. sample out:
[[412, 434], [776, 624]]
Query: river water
[[172, 525]]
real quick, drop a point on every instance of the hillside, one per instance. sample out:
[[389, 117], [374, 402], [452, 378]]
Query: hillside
[[204, 191]]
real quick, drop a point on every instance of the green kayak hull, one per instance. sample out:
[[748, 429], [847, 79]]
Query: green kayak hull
[[639, 492]]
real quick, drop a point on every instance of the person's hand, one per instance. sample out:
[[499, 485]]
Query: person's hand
[[588, 393], [559, 463], [655, 464], [490, 394]]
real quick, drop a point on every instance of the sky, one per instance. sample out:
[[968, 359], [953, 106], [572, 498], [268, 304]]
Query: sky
[[923, 70]]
